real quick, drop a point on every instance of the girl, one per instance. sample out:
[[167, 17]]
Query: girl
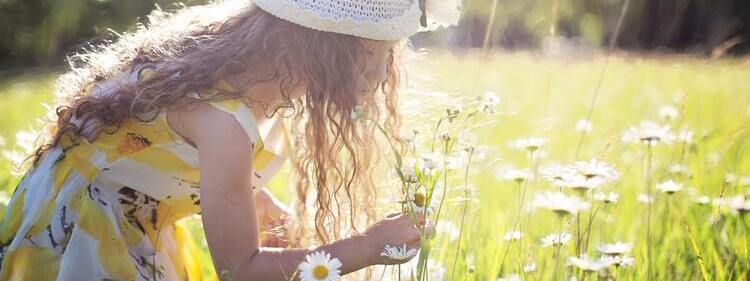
[[184, 116]]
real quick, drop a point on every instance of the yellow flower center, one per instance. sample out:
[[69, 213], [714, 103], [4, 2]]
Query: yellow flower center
[[419, 199], [320, 272]]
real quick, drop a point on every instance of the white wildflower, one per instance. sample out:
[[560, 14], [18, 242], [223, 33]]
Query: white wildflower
[[589, 265], [559, 203], [556, 239], [615, 249], [619, 261], [319, 266], [584, 125], [597, 168], [645, 198], [530, 144], [669, 187], [512, 235], [488, 101], [702, 200], [649, 133], [677, 169], [686, 136], [579, 182], [398, 253], [668, 113], [516, 175], [607, 198]]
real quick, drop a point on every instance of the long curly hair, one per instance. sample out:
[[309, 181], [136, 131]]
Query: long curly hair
[[192, 48]]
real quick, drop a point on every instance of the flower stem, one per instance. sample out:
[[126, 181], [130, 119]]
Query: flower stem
[[650, 207], [465, 209]]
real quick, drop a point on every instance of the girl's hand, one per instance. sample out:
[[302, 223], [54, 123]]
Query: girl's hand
[[396, 230], [272, 217]]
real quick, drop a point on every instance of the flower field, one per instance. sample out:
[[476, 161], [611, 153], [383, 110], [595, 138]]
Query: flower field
[[596, 168]]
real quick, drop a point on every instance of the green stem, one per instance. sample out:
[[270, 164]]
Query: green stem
[[650, 209], [463, 215]]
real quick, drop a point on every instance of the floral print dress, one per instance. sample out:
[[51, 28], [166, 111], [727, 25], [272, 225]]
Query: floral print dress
[[110, 209]]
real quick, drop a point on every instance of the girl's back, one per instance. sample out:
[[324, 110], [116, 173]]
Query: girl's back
[[115, 202]]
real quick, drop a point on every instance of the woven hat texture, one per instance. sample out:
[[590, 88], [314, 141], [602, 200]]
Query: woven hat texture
[[371, 19]]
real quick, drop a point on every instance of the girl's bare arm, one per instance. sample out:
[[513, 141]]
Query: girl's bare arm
[[229, 214]]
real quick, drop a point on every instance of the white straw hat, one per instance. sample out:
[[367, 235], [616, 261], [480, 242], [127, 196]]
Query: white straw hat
[[371, 19]]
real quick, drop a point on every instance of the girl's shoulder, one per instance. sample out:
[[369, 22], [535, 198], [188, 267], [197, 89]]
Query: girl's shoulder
[[239, 112], [185, 124]]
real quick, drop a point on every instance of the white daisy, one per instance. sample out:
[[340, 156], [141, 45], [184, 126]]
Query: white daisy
[[559, 203], [732, 205], [319, 266], [685, 136], [516, 175], [554, 173], [668, 113], [488, 101], [556, 239], [589, 265], [669, 187], [607, 198], [530, 144], [702, 200], [645, 198], [579, 182], [677, 169], [584, 125], [512, 235], [649, 133], [615, 249], [398, 253], [597, 168], [619, 261]]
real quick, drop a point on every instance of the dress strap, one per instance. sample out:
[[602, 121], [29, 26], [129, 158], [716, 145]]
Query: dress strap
[[242, 114], [235, 107]]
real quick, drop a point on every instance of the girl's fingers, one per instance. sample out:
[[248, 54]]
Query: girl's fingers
[[412, 234]]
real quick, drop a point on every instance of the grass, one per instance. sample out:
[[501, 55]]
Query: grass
[[545, 97]]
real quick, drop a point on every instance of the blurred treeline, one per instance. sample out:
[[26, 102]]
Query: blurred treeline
[[42, 32], [708, 27]]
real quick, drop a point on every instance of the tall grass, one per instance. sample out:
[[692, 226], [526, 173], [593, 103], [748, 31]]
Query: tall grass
[[546, 97]]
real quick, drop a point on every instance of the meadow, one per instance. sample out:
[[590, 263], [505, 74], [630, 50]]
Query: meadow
[[548, 169]]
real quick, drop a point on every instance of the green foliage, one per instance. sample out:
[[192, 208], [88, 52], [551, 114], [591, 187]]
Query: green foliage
[[545, 97], [42, 32]]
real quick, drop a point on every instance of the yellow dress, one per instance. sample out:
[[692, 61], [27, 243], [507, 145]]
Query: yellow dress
[[109, 209]]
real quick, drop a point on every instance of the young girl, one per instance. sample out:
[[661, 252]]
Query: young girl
[[184, 117]]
